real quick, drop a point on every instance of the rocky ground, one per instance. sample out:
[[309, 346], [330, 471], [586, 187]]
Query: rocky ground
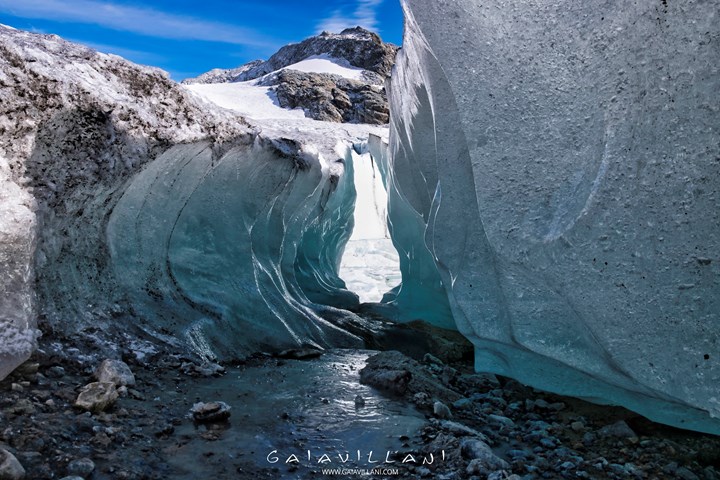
[[330, 98], [163, 415]]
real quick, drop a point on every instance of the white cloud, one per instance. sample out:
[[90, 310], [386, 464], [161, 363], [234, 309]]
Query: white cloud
[[364, 15], [144, 21]]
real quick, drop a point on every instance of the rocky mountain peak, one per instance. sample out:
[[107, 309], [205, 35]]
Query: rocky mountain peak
[[357, 47], [355, 33], [335, 77]]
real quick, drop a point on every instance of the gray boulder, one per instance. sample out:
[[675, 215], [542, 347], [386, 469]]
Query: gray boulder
[[10, 468]]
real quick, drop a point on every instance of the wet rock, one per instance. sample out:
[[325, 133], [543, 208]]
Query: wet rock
[[210, 370], [500, 475], [709, 473], [501, 420], [72, 477], [684, 474], [205, 370], [27, 369], [82, 467], [462, 403], [165, 430], [422, 400], [22, 407], [135, 394], [400, 374], [432, 360], [359, 401], [577, 426], [55, 372], [210, 412], [482, 459], [300, 354], [618, 429], [448, 375], [10, 467], [97, 396], [460, 430], [393, 381], [115, 371], [441, 410]]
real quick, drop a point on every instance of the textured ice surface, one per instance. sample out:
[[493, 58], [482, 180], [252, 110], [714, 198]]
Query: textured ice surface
[[421, 294], [564, 160], [234, 252], [17, 237]]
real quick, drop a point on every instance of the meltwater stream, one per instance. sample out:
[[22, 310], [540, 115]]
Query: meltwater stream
[[283, 409]]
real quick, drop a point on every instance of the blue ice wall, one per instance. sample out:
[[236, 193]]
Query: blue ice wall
[[237, 252], [561, 161]]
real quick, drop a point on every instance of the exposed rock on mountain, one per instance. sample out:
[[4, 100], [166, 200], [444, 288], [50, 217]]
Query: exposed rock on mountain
[[330, 98], [219, 75]]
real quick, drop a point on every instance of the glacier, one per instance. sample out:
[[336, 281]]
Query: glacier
[[18, 332], [561, 160], [548, 187], [244, 244], [136, 209]]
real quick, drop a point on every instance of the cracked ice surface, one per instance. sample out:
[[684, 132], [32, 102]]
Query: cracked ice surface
[[563, 158]]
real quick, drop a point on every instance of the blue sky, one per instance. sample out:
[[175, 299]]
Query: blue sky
[[187, 37]]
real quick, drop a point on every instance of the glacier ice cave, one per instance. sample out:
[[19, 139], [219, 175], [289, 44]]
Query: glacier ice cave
[[550, 182]]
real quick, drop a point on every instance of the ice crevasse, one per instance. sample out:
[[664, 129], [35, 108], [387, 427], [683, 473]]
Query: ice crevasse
[[563, 161]]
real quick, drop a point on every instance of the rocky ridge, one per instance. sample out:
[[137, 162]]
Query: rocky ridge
[[357, 46], [330, 98], [323, 96]]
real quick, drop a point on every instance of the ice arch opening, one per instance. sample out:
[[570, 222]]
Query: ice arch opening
[[370, 262]]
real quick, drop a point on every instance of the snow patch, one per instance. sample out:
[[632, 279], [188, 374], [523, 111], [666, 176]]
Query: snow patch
[[327, 64]]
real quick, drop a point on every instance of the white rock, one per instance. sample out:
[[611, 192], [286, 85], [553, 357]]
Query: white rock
[[441, 410], [115, 371], [82, 467], [482, 459], [97, 396], [210, 412]]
